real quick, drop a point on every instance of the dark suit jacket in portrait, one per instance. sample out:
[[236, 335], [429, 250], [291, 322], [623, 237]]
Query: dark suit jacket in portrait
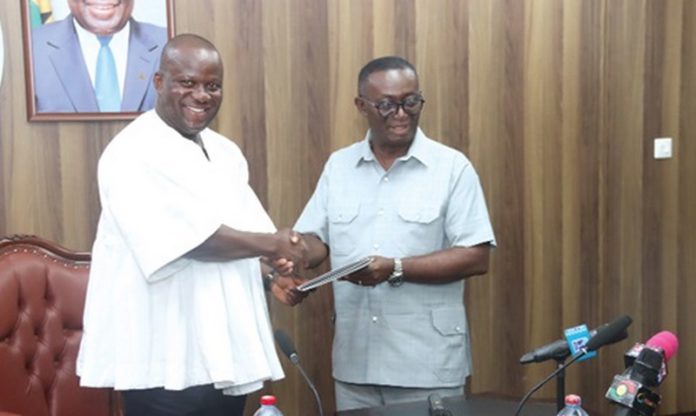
[[61, 79]]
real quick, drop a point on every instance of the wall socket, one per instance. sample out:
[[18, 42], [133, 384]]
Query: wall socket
[[662, 148]]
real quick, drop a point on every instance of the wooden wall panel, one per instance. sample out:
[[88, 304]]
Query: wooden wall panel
[[660, 194], [556, 103], [495, 112], [541, 109], [582, 126], [684, 368], [350, 46]]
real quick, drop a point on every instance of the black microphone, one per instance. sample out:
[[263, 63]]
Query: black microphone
[[435, 406], [609, 333], [606, 334], [646, 367], [559, 350], [288, 349]]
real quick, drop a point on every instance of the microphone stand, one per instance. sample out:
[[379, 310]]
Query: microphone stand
[[311, 386], [560, 384], [561, 368], [288, 349]]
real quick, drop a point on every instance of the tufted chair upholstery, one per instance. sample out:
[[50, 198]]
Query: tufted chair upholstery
[[42, 295]]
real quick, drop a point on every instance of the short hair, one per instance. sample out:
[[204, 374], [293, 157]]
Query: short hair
[[384, 63], [183, 39]]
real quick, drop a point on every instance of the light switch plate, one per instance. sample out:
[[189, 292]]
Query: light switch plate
[[662, 148]]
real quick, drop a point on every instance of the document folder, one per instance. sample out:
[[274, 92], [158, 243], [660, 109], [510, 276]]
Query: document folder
[[334, 274]]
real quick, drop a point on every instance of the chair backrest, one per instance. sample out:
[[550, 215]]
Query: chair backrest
[[42, 297]]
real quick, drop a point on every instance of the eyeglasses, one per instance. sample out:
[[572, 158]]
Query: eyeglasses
[[412, 105]]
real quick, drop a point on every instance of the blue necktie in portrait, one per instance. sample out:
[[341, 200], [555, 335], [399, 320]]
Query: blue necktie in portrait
[[106, 83]]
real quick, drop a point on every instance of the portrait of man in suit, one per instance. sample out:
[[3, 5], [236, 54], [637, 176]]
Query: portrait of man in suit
[[97, 59]]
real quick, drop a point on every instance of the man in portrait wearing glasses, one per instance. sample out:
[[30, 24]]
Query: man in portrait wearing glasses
[[416, 207]]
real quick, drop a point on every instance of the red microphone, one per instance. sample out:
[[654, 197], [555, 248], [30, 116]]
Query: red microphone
[[646, 367], [666, 341]]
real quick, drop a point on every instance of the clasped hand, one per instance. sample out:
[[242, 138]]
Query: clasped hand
[[378, 271], [290, 250], [284, 288]]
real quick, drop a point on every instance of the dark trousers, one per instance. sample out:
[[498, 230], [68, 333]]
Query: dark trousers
[[194, 401]]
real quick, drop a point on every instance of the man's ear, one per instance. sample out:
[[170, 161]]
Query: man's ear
[[360, 105], [157, 81]]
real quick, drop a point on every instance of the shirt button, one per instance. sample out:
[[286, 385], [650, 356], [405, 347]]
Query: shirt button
[[376, 246], [374, 319], [380, 212], [458, 328], [386, 179]]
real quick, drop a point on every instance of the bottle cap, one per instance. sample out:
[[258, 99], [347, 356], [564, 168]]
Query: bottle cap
[[573, 400], [268, 400]]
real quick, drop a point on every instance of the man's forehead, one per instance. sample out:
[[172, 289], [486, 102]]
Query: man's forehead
[[392, 82], [191, 49], [183, 55]]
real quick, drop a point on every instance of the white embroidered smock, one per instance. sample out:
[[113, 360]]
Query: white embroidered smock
[[153, 317]]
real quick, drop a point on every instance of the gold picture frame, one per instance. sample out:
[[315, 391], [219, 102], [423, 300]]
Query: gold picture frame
[[59, 39]]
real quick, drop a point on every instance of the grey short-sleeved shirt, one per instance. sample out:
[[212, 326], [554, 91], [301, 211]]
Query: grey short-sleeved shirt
[[429, 200]]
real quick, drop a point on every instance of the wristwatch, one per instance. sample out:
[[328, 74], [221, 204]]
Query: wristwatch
[[396, 279], [268, 280]]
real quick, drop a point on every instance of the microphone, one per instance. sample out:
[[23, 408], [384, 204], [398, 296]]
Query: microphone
[[287, 346], [559, 350], [609, 333], [435, 406], [606, 334], [646, 367], [666, 341], [288, 349]]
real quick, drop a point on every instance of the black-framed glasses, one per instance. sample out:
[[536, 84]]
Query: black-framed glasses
[[412, 105]]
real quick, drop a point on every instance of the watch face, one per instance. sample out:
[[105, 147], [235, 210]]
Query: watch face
[[396, 279]]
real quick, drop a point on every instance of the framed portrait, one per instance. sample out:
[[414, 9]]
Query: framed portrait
[[92, 60]]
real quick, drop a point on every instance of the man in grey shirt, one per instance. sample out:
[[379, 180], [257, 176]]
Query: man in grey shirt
[[415, 207]]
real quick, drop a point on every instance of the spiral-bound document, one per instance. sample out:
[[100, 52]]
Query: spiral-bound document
[[334, 274]]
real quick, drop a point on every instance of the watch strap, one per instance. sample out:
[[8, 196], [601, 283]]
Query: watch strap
[[397, 276]]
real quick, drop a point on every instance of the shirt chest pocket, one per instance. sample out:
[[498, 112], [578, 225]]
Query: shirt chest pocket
[[343, 233], [420, 229], [419, 214]]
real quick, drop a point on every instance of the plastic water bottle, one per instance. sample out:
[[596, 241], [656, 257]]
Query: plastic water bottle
[[573, 406], [268, 407]]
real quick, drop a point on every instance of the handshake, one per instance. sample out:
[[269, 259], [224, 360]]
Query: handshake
[[289, 250]]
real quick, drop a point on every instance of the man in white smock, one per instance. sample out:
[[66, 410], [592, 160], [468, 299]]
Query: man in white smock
[[176, 314]]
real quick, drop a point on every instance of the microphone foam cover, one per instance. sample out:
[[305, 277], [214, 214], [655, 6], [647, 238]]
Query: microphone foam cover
[[665, 340], [609, 333], [285, 343]]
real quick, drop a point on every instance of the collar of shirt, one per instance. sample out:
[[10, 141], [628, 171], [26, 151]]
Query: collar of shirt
[[419, 150], [89, 44]]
